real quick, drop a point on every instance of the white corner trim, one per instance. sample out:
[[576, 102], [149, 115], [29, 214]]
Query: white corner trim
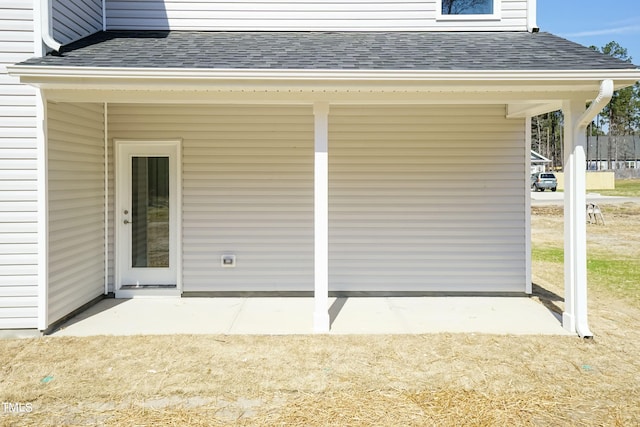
[[38, 47], [527, 208], [179, 224], [43, 210], [532, 11]]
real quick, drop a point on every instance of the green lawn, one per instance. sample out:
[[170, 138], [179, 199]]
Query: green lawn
[[605, 272], [624, 187]]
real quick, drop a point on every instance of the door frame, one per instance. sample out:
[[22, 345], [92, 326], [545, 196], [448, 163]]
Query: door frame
[[174, 147]]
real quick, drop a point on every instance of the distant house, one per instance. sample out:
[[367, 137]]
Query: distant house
[[167, 148], [538, 162], [613, 152]]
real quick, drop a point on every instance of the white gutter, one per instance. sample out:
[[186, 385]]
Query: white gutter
[[153, 74], [580, 303], [46, 25]]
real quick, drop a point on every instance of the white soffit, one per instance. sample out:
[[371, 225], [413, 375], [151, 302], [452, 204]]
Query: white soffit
[[537, 87]]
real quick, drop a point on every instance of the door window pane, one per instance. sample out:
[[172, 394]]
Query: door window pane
[[150, 212]]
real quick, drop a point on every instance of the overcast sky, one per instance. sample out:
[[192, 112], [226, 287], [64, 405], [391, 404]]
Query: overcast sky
[[594, 22]]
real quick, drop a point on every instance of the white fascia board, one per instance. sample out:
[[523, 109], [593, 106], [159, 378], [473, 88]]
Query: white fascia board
[[626, 76]]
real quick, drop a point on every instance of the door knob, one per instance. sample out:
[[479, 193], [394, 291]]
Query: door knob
[[126, 221]]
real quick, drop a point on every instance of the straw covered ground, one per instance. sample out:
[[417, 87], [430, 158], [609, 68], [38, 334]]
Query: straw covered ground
[[443, 379]]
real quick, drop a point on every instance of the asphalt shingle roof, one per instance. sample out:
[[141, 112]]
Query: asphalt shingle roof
[[433, 51]]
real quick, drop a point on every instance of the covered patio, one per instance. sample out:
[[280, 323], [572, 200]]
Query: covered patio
[[290, 316], [319, 170]]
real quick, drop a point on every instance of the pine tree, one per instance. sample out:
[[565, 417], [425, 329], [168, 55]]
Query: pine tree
[[621, 117]]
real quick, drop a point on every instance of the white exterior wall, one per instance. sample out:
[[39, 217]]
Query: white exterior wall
[[76, 206], [18, 188], [421, 198], [301, 15], [247, 190], [426, 199], [75, 19]]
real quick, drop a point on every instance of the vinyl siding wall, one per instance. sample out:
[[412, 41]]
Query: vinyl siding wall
[[76, 206], [421, 198], [247, 190], [426, 198], [18, 188], [301, 15], [75, 19]]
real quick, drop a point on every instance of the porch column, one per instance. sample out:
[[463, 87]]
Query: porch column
[[321, 320], [574, 318]]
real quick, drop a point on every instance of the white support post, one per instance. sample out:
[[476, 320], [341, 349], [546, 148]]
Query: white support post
[[321, 321], [105, 125], [574, 318]]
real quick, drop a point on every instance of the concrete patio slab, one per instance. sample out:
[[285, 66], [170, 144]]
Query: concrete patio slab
[[285, 316], [273, 316]]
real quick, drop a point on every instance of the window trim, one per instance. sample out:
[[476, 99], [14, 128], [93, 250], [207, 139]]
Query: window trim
[[496, 15]]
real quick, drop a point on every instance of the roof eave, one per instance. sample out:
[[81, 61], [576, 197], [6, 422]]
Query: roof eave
[[525, 92], [33, 74]]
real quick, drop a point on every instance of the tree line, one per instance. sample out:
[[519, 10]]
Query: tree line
[[620, 118]]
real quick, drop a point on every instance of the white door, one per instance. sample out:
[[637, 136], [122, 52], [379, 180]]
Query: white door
[[147, 218]]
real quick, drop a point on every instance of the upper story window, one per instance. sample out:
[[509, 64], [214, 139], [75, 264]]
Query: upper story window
[[468, 9]]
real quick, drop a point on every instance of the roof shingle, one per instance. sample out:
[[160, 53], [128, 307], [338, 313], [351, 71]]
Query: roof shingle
[[433, 51]]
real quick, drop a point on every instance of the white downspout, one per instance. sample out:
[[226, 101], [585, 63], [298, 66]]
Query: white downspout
[[46, 25], [104, 15], [575, 315], [603, 98]]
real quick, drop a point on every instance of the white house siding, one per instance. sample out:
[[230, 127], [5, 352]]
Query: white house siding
[[18, 189], [302, 15], [247, 190], [421, 198], [426, 199], [75, 19], [76, 206]]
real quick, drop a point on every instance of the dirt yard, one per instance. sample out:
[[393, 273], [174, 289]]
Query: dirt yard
[[445, 379]]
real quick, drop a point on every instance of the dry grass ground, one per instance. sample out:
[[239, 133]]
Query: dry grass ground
[[445, 379]]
